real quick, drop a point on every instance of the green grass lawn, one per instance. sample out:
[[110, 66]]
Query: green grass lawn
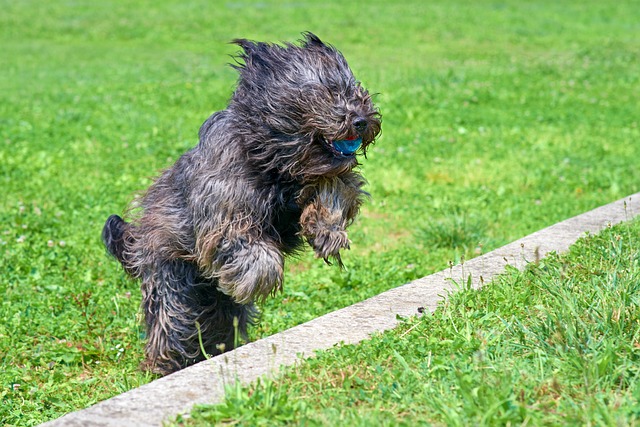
[[500, 118], [558, 344]]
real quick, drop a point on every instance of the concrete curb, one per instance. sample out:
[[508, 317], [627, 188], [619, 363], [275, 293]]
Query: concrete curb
[[166, 397]]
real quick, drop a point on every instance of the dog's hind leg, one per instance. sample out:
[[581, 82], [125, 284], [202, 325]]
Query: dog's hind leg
[[183, 310]]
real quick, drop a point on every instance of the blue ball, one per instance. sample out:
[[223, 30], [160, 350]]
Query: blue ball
[[347, 146]]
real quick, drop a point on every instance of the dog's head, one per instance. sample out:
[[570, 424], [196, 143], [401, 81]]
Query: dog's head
[[310, 114]]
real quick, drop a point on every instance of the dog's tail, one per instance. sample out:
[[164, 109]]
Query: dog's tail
[[115, 235]]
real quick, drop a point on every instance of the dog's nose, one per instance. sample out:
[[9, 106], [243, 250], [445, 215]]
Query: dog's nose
[[360, 125]]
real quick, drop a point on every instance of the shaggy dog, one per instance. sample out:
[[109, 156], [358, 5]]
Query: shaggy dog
[[275, 168]]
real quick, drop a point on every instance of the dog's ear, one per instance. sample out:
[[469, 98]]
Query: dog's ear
[[255, 54], [247, 45], [311, 40]]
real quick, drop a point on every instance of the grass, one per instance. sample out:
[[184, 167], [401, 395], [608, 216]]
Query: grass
[[557, 344], [500, 118]]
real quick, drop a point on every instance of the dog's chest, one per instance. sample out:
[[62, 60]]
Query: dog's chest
[[286, 222]]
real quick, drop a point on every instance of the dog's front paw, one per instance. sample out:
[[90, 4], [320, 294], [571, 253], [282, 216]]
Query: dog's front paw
[[328, 243], [252, 272], [324, 229]]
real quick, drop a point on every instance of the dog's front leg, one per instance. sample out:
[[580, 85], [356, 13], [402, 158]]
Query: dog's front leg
[[246, 264], [332, 207], [249, 269]]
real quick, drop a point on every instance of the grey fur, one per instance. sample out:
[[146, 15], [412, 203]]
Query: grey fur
[[210, 235]]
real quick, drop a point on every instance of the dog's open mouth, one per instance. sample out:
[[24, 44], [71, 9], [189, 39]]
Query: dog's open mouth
[[345, 147]]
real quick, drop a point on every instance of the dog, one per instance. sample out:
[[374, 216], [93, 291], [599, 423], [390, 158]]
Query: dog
[[277, 167]]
